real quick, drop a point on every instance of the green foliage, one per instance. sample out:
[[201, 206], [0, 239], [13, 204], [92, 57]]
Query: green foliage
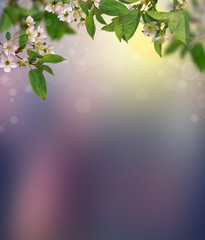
[[56, 29], [23, 39], [188, 42], [8, 35], [182, 29], [158, 48], [90, 24], [113, 8], [51, 58], [198, 56], [14, 14], [124, 22], [36, 77], [33, 54], [38, 83]]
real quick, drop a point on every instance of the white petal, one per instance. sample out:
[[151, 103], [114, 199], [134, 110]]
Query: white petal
[[146, 34], [5, 44], [7, 68], [13, 64], [2, 64], [10, 58], [6, 51]]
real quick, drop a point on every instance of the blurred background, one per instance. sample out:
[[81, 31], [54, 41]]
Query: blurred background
[[115, 152]]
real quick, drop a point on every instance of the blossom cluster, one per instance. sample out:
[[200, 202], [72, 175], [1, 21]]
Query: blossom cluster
[[67, 12], [36, 40], [151, 29]]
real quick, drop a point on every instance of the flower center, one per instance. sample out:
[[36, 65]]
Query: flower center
[[7, 62], [66, 14]]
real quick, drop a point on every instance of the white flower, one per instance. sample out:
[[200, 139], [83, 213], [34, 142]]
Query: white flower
[[77, 16], [32, 34], [41, 34], [39, 47], [81, 24], [161, 39], [29, 21], [7, 62], [66, 16], [49, 49], [61, 8], [24, 62], [50, 8], [150, 29], [10, 47]]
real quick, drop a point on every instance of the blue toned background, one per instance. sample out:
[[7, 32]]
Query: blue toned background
[[115, 152]]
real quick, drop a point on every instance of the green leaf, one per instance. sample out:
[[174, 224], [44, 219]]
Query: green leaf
[[38, 83], [100, 19], [109, 28], [173, 21], [198, 56], [184, 51], [173, 46], [159, 15], [175, 3], [182, 30], [84, 6], [90, 24], [51, 58], [118, 27], [47, 69], [128, 1], [113, 8], [130, 24], [158, 48], [33, 54], [8, 35], [23, 39], [5, 22], [42, 68]]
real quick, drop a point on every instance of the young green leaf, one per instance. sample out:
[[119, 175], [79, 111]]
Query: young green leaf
[[118, 27], [130, 24], [182, 29], [8, 35], [159, 15], [90, 24], [5, 22], [33, 54], [38, 83], [109, 28], [173, 46], [198, 56], [173, 21], [84, 6], [23, 39], [113, 8], [51, 58], [47, 69], [158, 48], [42, 68]]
